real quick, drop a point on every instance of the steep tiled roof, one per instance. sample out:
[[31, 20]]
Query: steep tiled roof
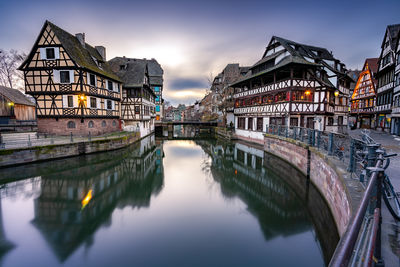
[[135, 70], [394, 31], [15, 96], [83, 56]]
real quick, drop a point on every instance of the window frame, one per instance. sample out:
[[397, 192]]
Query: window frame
[[68, 76]]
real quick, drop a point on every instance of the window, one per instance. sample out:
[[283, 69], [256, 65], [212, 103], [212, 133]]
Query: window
[[250, 124], [50, 53], [103, 124], [114, 123], [330, 121], [294, 121], [241, 123], [109, 104], [90, 124], [92, 79], [156, 89], [157, 98], [137, 109], [110, 85], [122, 67], [70, 101], [71, 124], [259, 124], [157, 117], [64, 76], [93, 102], [157, 108], [340, 120]]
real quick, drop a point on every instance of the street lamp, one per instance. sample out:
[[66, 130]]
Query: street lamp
[[336, 93]]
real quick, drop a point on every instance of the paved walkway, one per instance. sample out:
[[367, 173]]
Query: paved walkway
[[390, 227]]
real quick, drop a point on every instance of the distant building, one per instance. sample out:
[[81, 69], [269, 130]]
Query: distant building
[[363, 98], [295, 85], [74, 88], [138, 109], [385, 77], [17, 111]]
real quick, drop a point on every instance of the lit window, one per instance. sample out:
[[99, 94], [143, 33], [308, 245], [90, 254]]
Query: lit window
[[157, 108], [156, 89]]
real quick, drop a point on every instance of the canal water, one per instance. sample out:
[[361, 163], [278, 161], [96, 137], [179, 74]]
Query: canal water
[[164, 203]]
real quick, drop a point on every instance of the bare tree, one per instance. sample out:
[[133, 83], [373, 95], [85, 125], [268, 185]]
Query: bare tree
[[9, 62]]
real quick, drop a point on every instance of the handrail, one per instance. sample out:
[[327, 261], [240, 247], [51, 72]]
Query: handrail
[[344, 249]]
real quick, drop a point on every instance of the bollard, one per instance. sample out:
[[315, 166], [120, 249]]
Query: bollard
[[352, 158], [72, 140], [319, 139], [301, 134], [313, 137], [330, 144], [90, 137]]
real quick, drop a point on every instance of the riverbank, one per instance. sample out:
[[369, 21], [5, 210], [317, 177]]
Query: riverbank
[[19, 156]]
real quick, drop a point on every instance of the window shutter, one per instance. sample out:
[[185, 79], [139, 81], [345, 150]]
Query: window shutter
[[71, 76], [112, 105], [42, 53], [87, 78], [98, 103], [65, 101], [56, 76], [106, 84], [75, 100], [56, 52]]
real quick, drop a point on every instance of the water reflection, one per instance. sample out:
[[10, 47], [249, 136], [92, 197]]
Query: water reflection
[[276, 193], [208, 207]]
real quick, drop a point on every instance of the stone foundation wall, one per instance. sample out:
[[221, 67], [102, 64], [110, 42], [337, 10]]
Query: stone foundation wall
[[11, 157], [60, 126], [322, 174]]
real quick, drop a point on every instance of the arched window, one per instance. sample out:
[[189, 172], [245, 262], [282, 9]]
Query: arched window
[[103, 124], [91, 124], [71, 124], [114, 123]]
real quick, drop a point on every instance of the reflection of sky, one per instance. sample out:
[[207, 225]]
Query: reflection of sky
[[192, 39]]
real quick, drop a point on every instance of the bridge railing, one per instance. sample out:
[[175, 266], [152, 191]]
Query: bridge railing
[[349, 150], [361, 243]]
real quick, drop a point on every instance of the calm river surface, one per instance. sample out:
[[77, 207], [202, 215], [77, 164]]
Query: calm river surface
[[164, 203]]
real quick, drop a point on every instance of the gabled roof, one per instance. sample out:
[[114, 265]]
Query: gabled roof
[[135, 70], [372, 64], [15, 96], [394, 32], [83, 56]]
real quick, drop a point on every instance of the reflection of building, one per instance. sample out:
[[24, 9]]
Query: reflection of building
[[364, 96], [75, 201], [74, 88], [292, 84], [274, 192]]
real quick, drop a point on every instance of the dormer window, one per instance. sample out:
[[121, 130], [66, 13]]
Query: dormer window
[[50, 53], [122, 67]]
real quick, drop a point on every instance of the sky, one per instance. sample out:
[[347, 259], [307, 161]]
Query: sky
[[195, 39]]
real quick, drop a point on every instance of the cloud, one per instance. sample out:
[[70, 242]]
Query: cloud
[[183, 83]]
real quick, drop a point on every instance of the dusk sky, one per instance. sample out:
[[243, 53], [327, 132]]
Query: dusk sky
[[193, 39]]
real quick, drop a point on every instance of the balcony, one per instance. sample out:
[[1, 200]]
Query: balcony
[[385, 87]]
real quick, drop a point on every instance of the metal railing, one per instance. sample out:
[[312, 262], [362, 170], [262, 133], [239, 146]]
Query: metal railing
[[360, 245]]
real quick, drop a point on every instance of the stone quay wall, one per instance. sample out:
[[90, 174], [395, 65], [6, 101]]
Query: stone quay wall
[[326, 174], [12, 157]]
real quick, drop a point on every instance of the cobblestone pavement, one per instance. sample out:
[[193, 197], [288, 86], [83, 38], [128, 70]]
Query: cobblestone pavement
[[390, 227]]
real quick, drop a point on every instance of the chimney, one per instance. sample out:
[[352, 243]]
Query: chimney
[[102, 51], [81, 38]]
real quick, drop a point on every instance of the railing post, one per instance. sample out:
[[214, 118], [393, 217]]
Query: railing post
[[301, 134], [309, 137], [287, 131], [313, 137], [90, 137], [352, 159], [319, 139], [72, 140], [330, 144], [279, 130], [295, 133], [29, 140], [378, 252]]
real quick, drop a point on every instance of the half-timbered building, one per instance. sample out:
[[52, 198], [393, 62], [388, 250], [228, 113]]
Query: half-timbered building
[[74, 87], [293, 84], [385, 77], [138, 97], [396, 92], [364, 96]]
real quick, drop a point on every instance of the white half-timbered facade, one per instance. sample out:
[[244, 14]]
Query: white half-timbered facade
[[74, 88], [138, 98], [396, 92], [293, 84], [363, 98], [385, 77]]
